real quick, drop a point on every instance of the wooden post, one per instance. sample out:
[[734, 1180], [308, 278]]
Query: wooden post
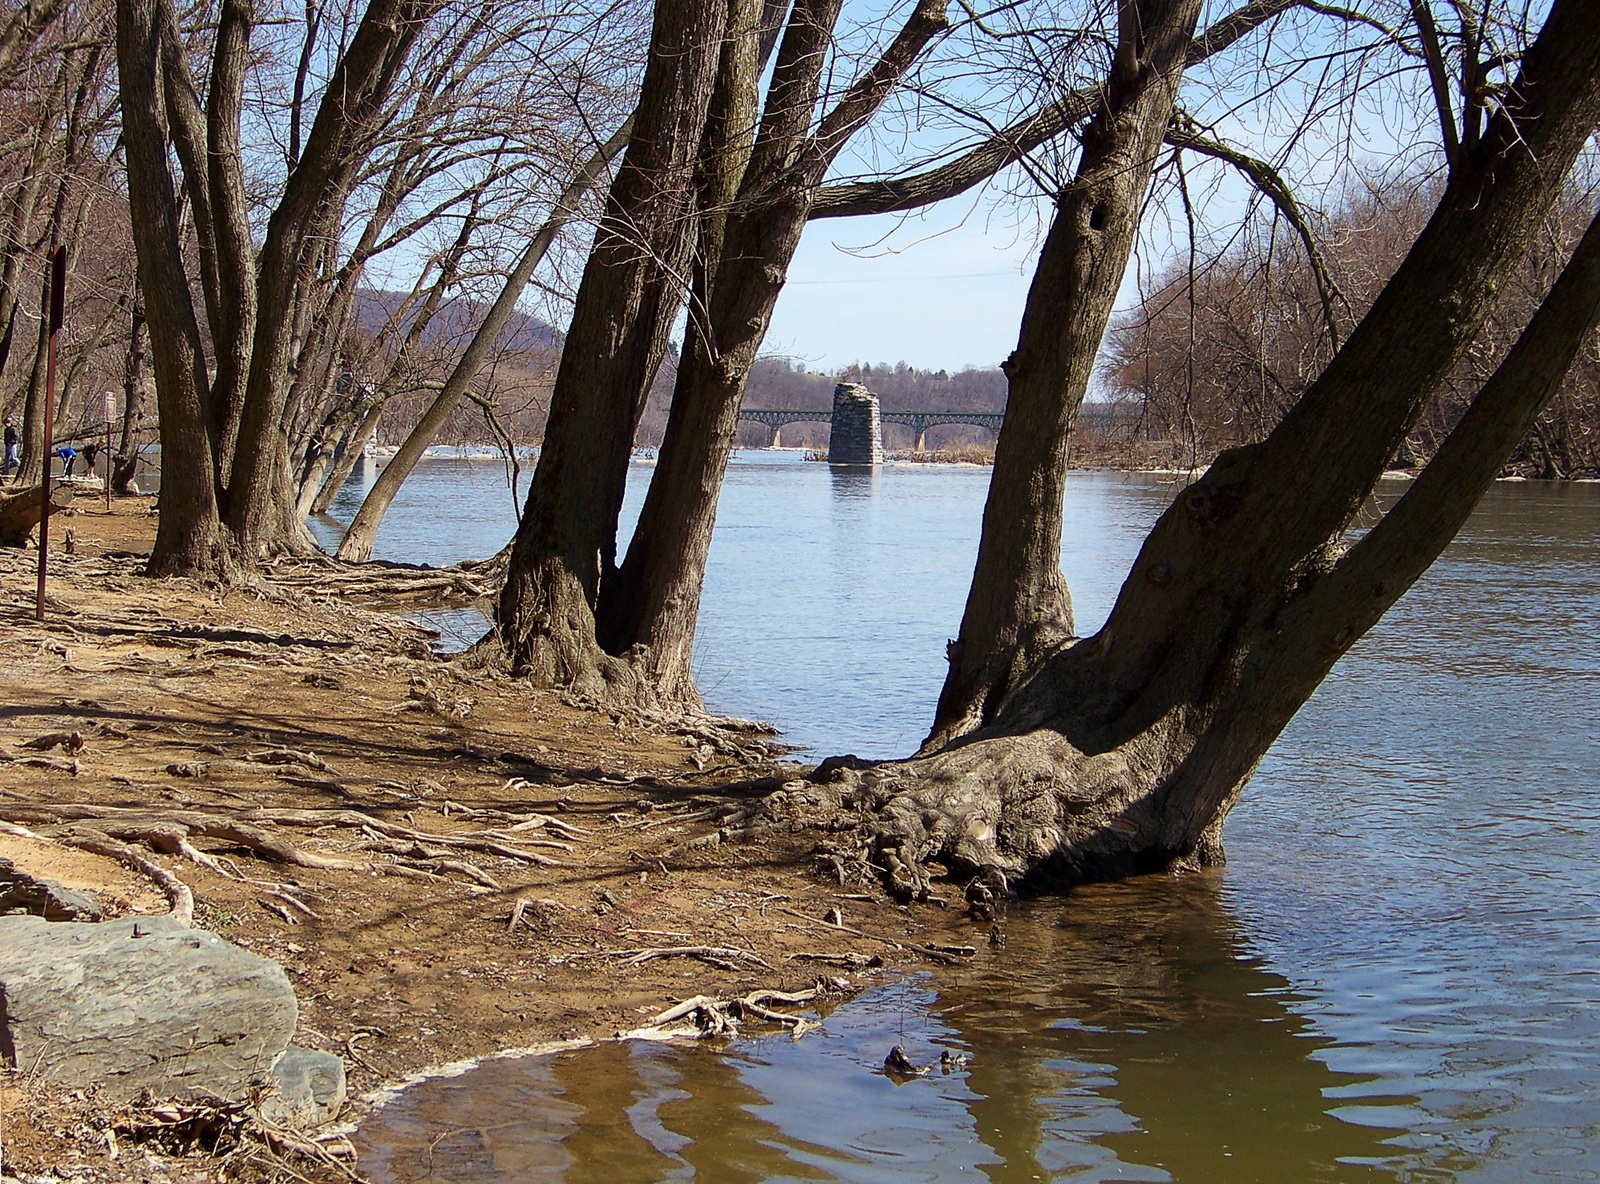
[[58, 304]]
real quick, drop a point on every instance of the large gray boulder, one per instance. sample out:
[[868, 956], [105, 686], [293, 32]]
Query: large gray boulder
[[140, 1002]]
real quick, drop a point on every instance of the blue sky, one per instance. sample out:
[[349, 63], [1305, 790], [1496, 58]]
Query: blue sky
[[941, 291], [944, 288]]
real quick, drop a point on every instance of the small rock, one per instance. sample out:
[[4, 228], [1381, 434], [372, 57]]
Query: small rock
[[22, 892], [898, 1064], [308, 1089]]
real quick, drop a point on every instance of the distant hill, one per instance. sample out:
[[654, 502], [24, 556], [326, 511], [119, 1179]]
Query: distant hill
[[774, 382], [455, 322]]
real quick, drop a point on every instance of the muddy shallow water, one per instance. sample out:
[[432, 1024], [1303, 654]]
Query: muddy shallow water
[[1397, 975]]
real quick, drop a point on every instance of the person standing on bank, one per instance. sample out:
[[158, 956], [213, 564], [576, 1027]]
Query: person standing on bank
[[91, 450], [69, 457], [11, 448]]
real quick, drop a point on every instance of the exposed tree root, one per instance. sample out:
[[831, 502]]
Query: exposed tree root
[[177, 892], [111, 831], [725, 957], [997, 811]]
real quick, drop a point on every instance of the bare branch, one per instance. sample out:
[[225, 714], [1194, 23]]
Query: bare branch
[[1438, 79], [1015, 141], [1183, 133]]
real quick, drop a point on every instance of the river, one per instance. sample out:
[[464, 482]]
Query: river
[[1397, 976]]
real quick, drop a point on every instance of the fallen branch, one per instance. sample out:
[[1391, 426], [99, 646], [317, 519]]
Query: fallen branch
[[726, 957], [290, 756], [718, 1017], [849, 960]]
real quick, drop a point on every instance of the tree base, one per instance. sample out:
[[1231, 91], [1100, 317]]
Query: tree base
[[1005, 814]]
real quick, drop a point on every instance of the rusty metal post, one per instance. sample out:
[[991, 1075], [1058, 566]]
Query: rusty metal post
[[58, 306]]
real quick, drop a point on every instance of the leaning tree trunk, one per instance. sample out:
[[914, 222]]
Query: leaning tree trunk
[[347, 456], [363, 530], [326, 447], [627, 301], [1018, 607], [1124, 752]]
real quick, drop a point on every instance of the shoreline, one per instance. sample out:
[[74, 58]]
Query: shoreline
[[646, 456], [410, 961]]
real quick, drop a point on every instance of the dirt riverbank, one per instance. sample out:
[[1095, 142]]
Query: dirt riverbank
[[439, 803]]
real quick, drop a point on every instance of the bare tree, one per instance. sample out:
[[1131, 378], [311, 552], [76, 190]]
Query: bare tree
[[1124, 751], [223, 454], [758, 171], [58, 163]]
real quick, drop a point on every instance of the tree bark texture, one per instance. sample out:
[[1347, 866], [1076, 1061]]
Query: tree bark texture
[[188, 532], [627, 300], [1124, 751], [1019, 607]]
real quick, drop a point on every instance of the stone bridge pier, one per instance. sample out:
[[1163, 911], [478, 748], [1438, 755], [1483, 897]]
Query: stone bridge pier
[[857, 434]]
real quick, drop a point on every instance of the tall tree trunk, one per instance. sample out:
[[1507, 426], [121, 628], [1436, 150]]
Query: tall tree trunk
[[627, 301], [1124, 752], [1019, 607], [625, 606], [255, 300], [188, 532], [309, 212], [757, 199]]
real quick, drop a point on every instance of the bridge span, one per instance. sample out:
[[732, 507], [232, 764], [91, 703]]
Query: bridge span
[[918, 421]]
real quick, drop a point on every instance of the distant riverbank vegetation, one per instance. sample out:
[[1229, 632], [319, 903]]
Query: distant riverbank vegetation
[[1214, 356]]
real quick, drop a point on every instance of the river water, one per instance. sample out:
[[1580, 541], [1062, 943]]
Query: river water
[[1397, 977]]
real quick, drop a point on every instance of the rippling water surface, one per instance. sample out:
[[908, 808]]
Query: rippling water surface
[[1396, 977]]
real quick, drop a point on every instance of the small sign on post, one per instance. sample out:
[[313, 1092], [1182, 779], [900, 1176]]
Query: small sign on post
[[105, 472]]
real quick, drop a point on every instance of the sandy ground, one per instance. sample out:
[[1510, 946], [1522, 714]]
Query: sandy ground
[[615, 835]]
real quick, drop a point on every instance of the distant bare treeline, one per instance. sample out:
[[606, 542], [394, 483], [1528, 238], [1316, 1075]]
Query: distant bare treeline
[[1213, 357]]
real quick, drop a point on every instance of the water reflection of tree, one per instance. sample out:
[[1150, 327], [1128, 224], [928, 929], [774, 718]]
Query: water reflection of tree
[[613, 1113], [1125, 1033], [1130, 1020]]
